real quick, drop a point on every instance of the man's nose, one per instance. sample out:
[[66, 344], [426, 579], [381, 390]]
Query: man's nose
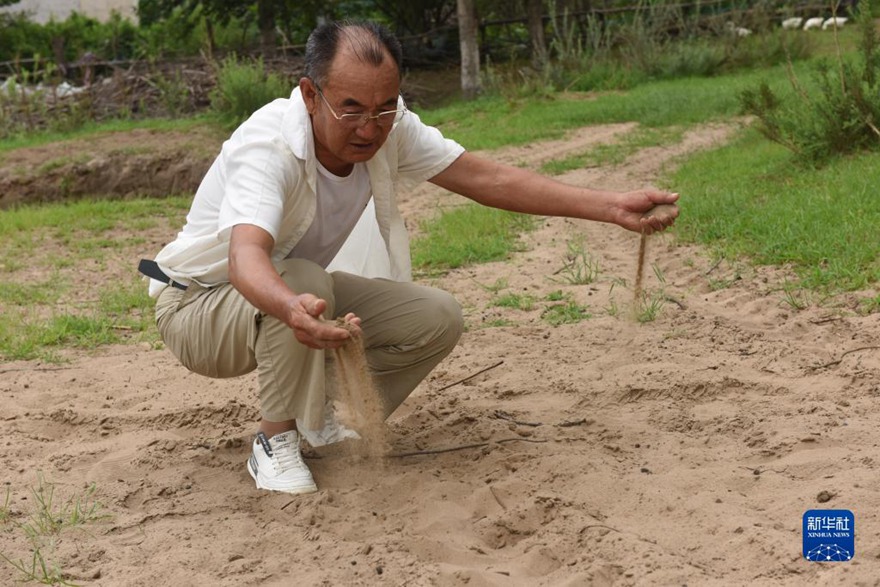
[[370, 130]]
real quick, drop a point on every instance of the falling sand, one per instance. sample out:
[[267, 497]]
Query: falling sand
[[356, 390]]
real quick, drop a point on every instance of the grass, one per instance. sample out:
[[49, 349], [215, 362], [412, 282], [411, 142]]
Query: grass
[[615, 153], [492, 122], [748, 200], [92, 129], [45, 303], [41, 528], [467, 235]]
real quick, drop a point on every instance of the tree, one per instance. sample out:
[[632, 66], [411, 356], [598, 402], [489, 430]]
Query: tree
[[535, 24], [470, 49]]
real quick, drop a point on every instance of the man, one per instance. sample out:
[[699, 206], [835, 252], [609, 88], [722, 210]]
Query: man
[[245, 285]]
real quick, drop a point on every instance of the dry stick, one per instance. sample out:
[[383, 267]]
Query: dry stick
[[481, 371], [436, 451], [838, 361]]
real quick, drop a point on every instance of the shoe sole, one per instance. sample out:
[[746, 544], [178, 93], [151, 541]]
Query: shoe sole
[[298, 490]]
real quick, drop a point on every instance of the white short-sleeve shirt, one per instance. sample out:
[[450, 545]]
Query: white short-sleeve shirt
[[266, 175]]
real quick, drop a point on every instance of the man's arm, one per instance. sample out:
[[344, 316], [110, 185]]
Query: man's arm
[[251, 272], [520, 190]]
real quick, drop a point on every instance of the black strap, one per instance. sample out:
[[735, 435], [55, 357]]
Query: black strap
[[149, 268]]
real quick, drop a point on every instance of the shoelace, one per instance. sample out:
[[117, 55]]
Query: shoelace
[[286, 456]]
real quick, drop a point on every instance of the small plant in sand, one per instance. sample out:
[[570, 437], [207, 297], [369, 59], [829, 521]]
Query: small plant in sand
[[580, 267], [648, 303], [564, 310], [524, 302], [869, 305], [42, 528], [794, 297]]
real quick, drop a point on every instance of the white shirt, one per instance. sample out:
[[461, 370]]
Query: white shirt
[[266, 175]]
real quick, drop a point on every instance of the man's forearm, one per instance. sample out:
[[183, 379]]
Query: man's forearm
[[520, 190]]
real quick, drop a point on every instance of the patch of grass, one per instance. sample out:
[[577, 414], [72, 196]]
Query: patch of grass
[[49, 516], [649, 306], [467, 235], [524, 302], [58, 240], [580, 267], [615, 153], [747, 200], [490, 122], [499, 323], [565, 311]]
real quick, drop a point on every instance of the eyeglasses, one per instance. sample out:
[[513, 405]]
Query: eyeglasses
[[360, 119]]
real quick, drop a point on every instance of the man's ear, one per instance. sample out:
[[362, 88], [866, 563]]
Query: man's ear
[[309, 94]]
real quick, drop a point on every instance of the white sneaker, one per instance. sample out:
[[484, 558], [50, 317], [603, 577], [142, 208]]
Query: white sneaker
[[276, 464], [333, 430]]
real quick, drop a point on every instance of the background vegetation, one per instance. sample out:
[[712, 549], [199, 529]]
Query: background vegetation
[[755, 199]]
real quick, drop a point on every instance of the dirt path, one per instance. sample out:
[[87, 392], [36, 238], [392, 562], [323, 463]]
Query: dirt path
[[684, 450]]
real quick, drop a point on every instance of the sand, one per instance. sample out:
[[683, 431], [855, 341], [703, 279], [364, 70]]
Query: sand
[[683, 450]]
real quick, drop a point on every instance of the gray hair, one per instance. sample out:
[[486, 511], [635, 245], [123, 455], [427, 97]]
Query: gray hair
[[369, 41]]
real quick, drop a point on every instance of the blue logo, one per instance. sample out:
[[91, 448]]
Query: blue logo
[[829, 536]]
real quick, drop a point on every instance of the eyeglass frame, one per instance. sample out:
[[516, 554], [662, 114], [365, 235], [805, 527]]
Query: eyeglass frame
[[361, 120]]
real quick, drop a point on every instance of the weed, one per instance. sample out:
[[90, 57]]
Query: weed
[[580, 267], [499, 323], [49, 517], [869, 305], [566, 312], [649, 306], [524, 302], [794, 297]]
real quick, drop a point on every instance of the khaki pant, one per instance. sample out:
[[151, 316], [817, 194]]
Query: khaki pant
[[408, 329]]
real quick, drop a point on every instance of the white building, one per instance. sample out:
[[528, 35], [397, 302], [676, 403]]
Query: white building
[[42, 10]]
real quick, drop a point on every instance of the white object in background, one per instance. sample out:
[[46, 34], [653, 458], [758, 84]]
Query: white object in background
[[835, 21], [813, 23], [794, 22]]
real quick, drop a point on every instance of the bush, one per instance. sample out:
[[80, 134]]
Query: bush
[[244, 87], [838, 114]]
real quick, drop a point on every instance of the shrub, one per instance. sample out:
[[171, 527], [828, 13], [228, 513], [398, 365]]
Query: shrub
[[243, 87], [838, 114]]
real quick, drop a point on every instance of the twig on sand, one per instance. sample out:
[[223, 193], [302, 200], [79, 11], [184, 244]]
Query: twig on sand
[[481, 371], [435, 451], [37, 369], [838, 361], [502, 415], [714, 265]]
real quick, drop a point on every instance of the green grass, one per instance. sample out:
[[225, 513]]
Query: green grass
[[748, 199], [467, 235], [48, 520], [615, 153], [492, 122], [91, 130], [45, 306]]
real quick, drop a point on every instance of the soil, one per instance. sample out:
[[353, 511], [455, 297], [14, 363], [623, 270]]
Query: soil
[[683, 450]]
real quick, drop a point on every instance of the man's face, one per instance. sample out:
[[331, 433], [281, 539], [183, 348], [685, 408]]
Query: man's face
[[351, 87]]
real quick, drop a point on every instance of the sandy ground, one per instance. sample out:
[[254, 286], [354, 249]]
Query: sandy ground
[[683, 450]]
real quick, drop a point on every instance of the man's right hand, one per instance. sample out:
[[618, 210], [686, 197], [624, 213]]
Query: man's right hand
[[310, 328]]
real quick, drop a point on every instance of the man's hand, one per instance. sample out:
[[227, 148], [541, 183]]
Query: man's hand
[[636, 210], [310, 328]]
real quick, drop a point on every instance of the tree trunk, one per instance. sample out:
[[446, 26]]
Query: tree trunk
[[266, 22], [470, 49], [535, 15]]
